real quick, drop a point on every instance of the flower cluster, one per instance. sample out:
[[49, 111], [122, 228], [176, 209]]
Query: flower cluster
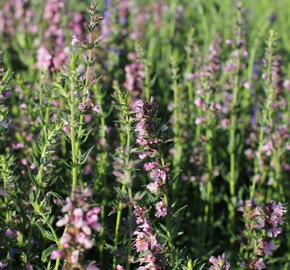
[[146, 123], [123, 167], [143, 15], [135, 75], [220, 263], [80, 220], [212, 64], [149, 140], [263, 225], [17, 16], [53, 54], [4, 93], [114, 24], [146, 242], [274, 141], [117, 19]]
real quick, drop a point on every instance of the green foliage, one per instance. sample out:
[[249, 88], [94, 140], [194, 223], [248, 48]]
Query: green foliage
[[219, 73]]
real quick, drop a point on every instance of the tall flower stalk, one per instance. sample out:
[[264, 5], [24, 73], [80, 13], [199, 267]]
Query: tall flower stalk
[[263, 225], [235, 102], [266, 119], [80, 100], [123, 169], [151, 142]]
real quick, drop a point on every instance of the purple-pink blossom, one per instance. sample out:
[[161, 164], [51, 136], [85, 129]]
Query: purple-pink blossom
[[80, 220]]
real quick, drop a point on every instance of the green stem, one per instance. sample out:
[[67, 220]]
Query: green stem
[[73, 143], [209, 189], [147, 81], [56, 239], [232, 145], [117, 227], [84, 95], [168, 219], [257, 159]]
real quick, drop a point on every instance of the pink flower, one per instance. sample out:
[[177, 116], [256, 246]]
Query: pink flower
[[65, 238], [269, 248], [143, 155], [44, 58], [259, 264], [141, 243], [87, 230], [63, 221], [92, 267], [146, 241], [68, 206], [96, 210], [161, 209], [150, 165], [9, 233], [56, 254], [88, 243], [29, 267], [66, 128], [78, 218], [3, 265], [75, 40], [158, 174], [154, 187], [286, 84], [279, 209], [219, 263], [75, 256], [268, 148], [199, 120], [96, 109], [199, 102]]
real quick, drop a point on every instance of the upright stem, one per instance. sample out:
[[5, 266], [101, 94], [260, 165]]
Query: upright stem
[[84, 95], [209, 150], [73, 140], [117, 227], [125, 144], [267, 113], [168, 218], [102, 175], [176, 119], [209, 184], [233, 128], [257, 159], [232, 147], [147, 81]]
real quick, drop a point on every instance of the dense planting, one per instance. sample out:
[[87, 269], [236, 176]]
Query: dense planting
[[147, 134]]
